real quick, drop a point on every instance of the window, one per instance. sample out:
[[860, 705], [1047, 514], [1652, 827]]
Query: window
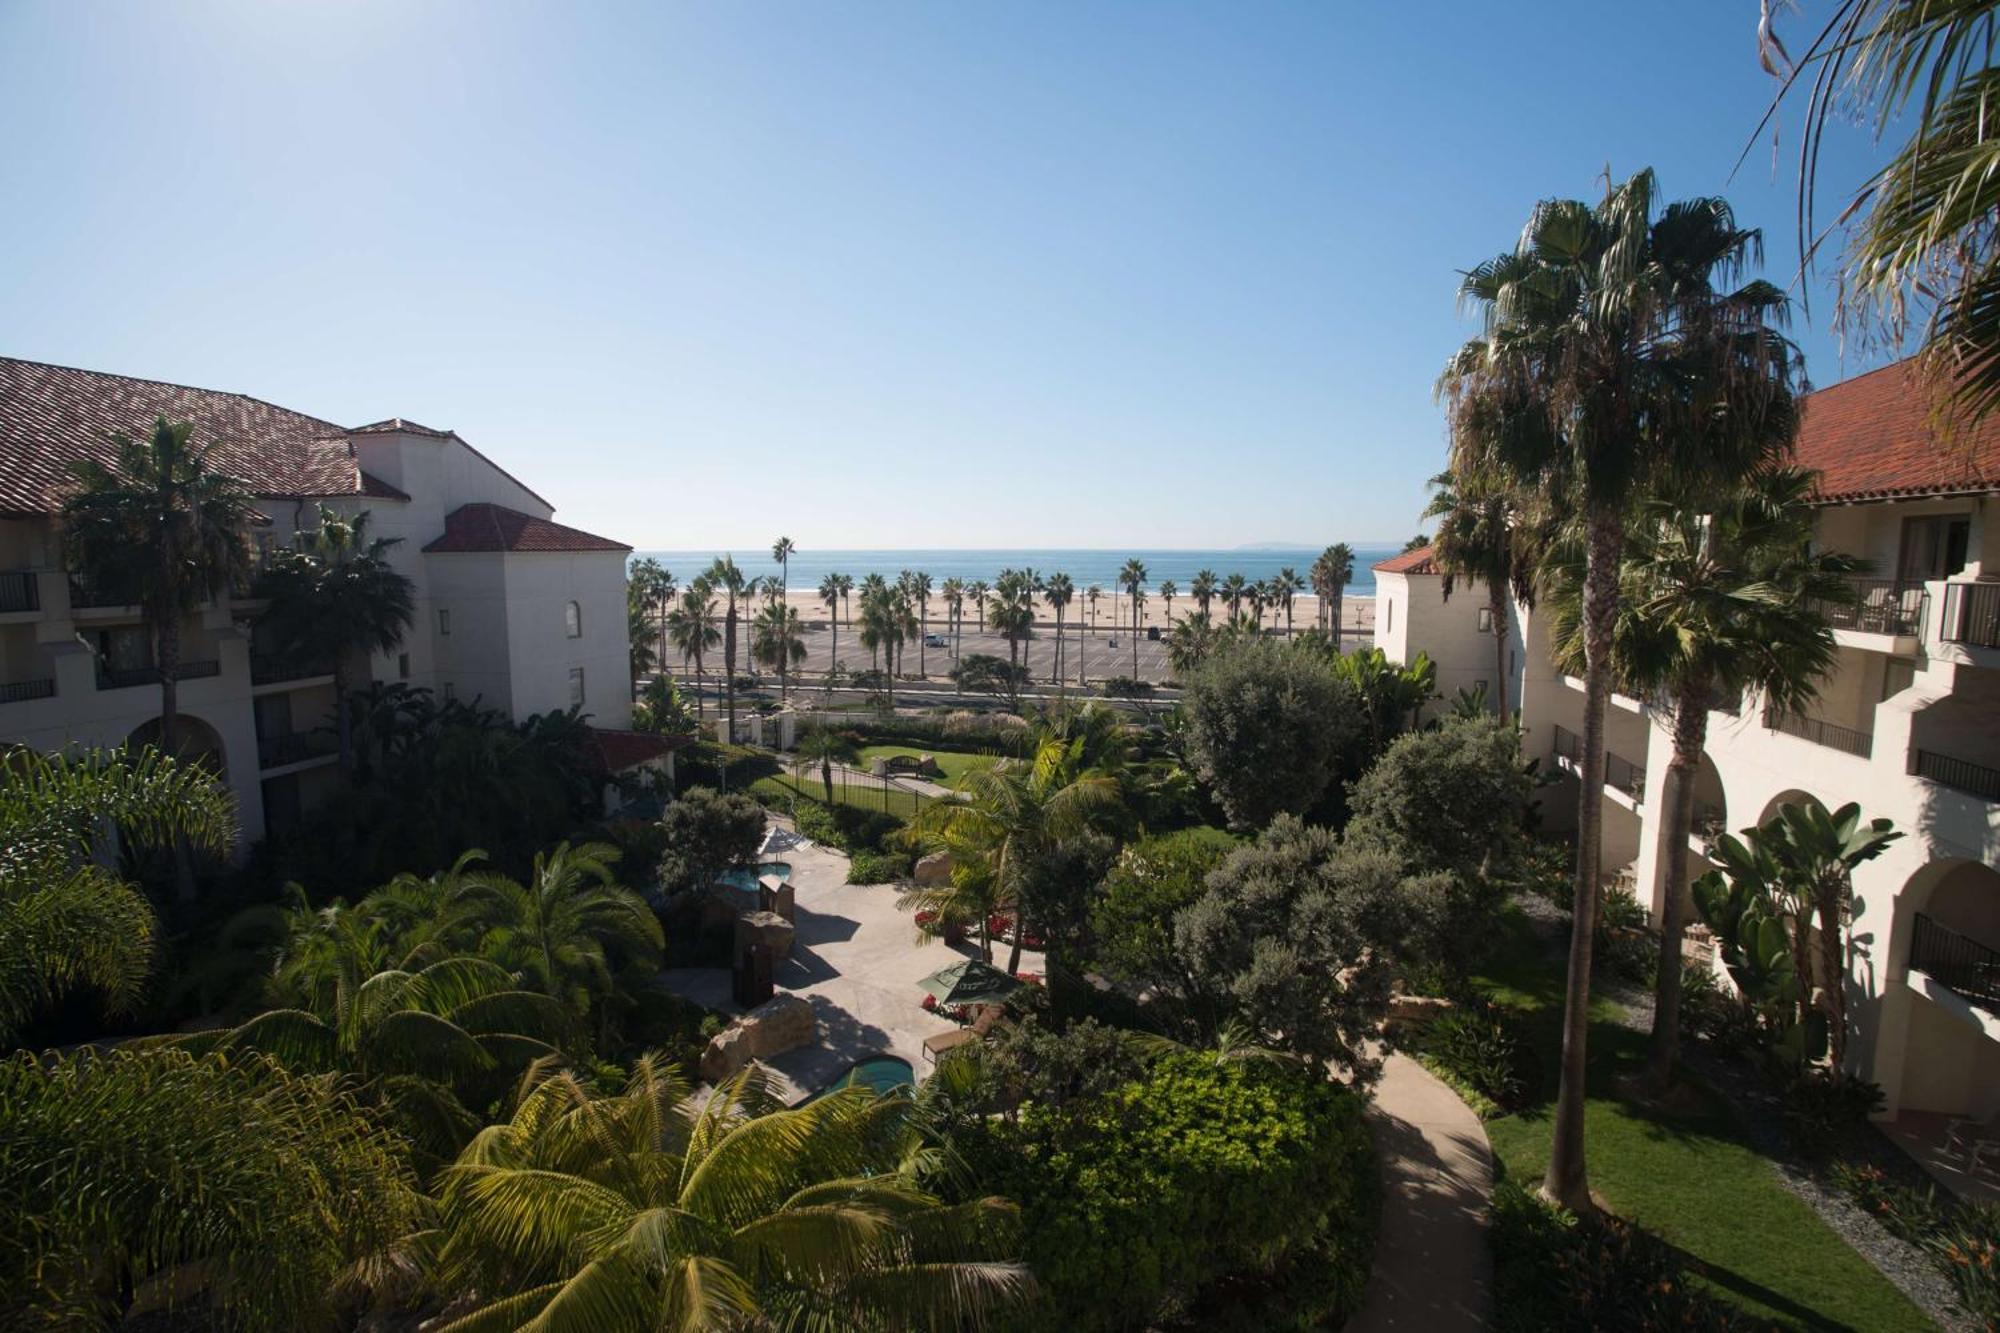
[[1485, 620], [575, 684], [444, 621], [402, 666], [450, 690], [1934, 547], [572, 620], [1389, 615]]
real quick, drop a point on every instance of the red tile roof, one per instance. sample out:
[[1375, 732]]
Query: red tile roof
[[1420, 561], [621, 750], [53, 416], [1870, 438], [491, 527]]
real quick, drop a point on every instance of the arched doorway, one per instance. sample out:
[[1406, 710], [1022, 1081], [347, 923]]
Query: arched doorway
[[1944, 1056], [194, 740]]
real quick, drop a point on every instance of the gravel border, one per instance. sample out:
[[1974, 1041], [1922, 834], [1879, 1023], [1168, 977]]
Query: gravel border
[[1759, 1111]]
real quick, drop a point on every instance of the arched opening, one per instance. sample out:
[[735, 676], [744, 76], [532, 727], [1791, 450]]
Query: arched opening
[[1785, 798], [1711, 804], [194, 740]]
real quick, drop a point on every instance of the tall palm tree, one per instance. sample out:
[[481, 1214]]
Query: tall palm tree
[[978, 592], [1235, 589], [832, 589], [735, 586], [1132, 577], [641, 653], [162, 530], [1204, 589], [1168, 591], [1012, 616], [1091, 596], [919, 591], [691, 629], [654, 586], [1332, 572], [1616, 355], [781, 551], [335, 595], [1712, 604], [656, 1209], [1480, 536], [1138, 619], [68, 919], [827, 748], [1288, 584], [953, 592], [1059, 591], [778, 641]]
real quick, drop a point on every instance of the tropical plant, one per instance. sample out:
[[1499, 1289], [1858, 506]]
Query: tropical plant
[[1480, 538], [651, 1209], [782, 551], [1189, 643], [1132, 578], [662, 710], [651, 587], [1331, 573], [834, 590], [919, 593], [68, 918], [826, 748], [1203, 589], [777, 640], [1616, 357], [691, 630], [1235, 588], [1013, 617], [335, 595], [1287, 585], [1711, 604], [1059, 591], [735, 587], [642, 655], [162, 529], [152, 1188], [1392, 694], [953, 592]]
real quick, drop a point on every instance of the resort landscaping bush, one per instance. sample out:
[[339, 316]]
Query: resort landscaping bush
[[1961, 1239], [1478, 1049], [1267, 729], [1132, 914], [723, 767], [1126, 687], [871, 867], [1552, 1271], [1452, 798], [1820, 1109], [706, 832], [1222, 1194], [1060, 1070]]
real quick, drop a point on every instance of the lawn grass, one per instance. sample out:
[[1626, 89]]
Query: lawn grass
[[955, 763], [1687, 1176]]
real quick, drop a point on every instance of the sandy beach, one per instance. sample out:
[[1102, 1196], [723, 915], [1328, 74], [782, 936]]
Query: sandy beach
[[1357, 613]]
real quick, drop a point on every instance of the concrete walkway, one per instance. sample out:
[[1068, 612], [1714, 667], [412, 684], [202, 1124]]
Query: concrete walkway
[[1432, 1269]]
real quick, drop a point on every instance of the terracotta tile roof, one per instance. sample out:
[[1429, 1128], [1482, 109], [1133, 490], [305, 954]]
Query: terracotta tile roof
[[53, 416], [491, 527], [1420, 561], [621, 750], [1870, 438]]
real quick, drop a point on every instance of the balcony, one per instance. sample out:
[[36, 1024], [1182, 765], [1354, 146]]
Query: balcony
[[1962, 774], [1957, 962], [1861, 744], [83, 597], [1619, 771], [1880, 606], [20, 691], [1971, 615], [294, 747], [109, 678], [271, 668], [19, 591]]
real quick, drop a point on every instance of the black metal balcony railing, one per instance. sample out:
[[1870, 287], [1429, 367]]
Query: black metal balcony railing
[[1820, 732], [1881, 606], [1971, 614], [275, 751], [269, 668], [82, 595], [1963, 774], [109, 678], [1620, 772], [19, 591], [1957, 961], [21, 691]]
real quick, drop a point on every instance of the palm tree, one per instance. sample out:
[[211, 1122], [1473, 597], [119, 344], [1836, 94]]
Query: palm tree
[[1013, 616], [333, 596], [778, 641], [1192, 640], [1714, 604], [654, 1209], [1132, 577], [1611, 360], [652, 586], [828, 748], [161, 530], [68, 919], [978, 592], [1059, 591], [833, 590], [781, 551], [731, 581], [1480, 537], [1288, 585], [1204, 589], [1234, 589], [641, 656], [691, 630], [1331, 573], [1919, 229], [953, 592], [1090, 595], [1168, 591], [920, 593]]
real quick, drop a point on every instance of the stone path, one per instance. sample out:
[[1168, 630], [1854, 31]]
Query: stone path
[[1432, 1268]]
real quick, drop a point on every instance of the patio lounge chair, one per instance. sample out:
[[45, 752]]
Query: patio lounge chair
[[1976, 1142]]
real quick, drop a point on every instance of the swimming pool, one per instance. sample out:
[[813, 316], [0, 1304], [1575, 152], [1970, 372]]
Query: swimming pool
[[746, 877], [881, 1072]]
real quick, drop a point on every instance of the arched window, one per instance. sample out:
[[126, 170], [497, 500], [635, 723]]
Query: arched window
[[573, 620]]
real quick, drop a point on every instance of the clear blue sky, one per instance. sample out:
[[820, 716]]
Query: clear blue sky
[[872, 274]]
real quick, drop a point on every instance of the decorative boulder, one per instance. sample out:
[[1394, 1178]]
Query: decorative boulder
[[766, 928], [782, 1023], [727, 1051], [1416, 1010], [934, 870]]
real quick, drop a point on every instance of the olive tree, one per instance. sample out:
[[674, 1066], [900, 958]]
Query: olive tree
[[706, 832], [1266, 727]]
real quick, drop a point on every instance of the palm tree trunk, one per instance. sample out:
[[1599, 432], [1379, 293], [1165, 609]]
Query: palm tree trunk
[[167, 661], [1567, 1181], [342, 715], [1677, 804], [1334, 615], [729, 669], [1014, 954], [1496, 605], [1827, 897], [923, 628]]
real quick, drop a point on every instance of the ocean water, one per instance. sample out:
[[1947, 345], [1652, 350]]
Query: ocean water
[[1084, 567]]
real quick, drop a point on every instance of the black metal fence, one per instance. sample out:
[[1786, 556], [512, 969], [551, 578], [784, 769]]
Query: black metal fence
[[1820, 732], [1963, 774], [109, 678], [1957, 961], [1971, 614], [22, 690], [273, 751], [267, 668], [1619, 771], [19, 591], [1881, 606]]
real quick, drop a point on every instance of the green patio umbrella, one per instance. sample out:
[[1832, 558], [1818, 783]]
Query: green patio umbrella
[[969, 982]]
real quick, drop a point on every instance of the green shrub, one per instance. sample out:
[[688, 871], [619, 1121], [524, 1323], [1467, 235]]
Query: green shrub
[[1625, 946], [1127, 687], [1552, 1271], [1479, 1049], [1962, 1240], [1202, 1186], [878, 867], [1820, 1110]]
